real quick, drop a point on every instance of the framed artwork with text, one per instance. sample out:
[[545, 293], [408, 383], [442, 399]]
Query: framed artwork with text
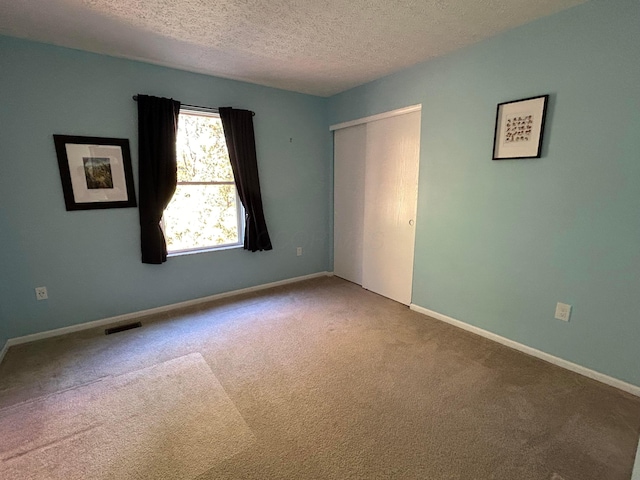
[[519, 128]]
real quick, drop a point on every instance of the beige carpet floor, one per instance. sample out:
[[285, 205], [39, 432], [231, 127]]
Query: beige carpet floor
[[171, 420], [324, 380]]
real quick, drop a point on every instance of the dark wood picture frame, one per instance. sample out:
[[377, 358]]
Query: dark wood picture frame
[[519, 129], [95, 172]]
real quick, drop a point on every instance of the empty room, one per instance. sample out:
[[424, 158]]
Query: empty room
[[320, 240]]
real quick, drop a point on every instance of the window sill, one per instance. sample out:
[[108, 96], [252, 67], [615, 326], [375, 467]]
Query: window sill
[[195, 251]]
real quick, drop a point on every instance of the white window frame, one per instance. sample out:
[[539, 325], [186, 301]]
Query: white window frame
[[240, 213]]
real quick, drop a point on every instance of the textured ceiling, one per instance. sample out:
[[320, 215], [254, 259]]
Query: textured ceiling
[[320, 47]]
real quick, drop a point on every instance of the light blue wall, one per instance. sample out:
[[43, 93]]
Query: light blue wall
[[499, 243], [90, 260]]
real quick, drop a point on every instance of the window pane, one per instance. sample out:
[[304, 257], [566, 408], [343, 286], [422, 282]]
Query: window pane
[[200, 216], [201, 150]]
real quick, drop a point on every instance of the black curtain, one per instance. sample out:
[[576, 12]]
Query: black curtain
[[157, 170], [241, 143]]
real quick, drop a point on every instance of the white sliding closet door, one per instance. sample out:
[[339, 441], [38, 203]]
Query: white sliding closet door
[[348, 212], [375, 201], [391, 194]]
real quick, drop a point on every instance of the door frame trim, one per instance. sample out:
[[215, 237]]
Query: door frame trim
[[379, 116]]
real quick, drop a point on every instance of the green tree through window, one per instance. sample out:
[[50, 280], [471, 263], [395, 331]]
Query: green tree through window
[[205, 211]]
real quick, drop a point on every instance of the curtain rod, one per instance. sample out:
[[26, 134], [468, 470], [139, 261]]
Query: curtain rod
[[210, 109]]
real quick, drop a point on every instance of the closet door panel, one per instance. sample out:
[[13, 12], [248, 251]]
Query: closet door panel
[[391, 192], [349, 174]]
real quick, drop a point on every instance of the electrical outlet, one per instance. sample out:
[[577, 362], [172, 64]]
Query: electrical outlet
[[41, 293], [299, 251], [563, 311]]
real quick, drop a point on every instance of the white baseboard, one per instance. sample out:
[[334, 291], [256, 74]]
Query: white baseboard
[[165, 308], [4, 351], [601, 377]]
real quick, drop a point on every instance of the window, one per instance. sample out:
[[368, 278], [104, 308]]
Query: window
[[205, 211]]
